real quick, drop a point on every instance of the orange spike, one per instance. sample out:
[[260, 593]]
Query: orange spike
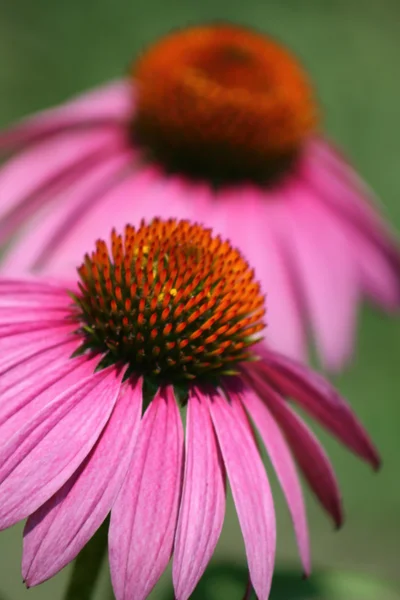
[[180, 327], [167, 329]]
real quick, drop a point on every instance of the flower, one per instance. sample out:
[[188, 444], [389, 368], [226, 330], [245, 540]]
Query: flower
[[218, 124], [92, 378]]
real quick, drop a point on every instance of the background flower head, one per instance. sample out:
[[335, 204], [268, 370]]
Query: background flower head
[[218, 123], [92, 375]]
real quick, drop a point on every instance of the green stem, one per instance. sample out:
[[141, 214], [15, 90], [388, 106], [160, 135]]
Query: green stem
[[249, 590], [87, 566]]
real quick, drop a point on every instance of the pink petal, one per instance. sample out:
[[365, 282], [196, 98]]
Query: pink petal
[[320, 253], [284, 466], [32, 292], [15, 350], [331, 171], [319, 399], [109, 103], [143, 194], [49, 228], [60, 528], [29, 387], [37, 460], [309, 453], [250, 488], [33, 314], [143, 518], [350, 202], [31, 325], [202, 508], [380, 277], [21, 302], [248, 217], [31, 179]]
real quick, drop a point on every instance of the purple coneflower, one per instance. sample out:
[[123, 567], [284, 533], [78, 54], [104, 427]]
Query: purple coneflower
[[93, 377], [216, 124]]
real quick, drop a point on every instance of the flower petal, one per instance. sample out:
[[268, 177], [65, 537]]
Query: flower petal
[[31, 179], [26, 379], [17, 349], [144, 516], [253, 231], [37, 460], [329, 170], [352, 203], [284, 466], [60, 528], [250, 488], [48, 229], [155, 195], [379, 274], [108, 103], [32, 292], [319, 250], [43, 324], [313, 393], [202, 508], [12, 315], [309, 453]]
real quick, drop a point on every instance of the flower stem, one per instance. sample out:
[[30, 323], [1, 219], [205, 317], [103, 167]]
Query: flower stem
[[87, 566], [249, 590]]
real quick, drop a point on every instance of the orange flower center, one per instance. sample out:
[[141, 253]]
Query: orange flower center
[[170, 300], [221, 100]]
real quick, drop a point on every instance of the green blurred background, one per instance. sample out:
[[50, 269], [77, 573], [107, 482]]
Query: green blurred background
[[51, 49]]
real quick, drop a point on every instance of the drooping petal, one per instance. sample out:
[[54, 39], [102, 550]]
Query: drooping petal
[[329, 170], [309, 453], [31, 179], [320, 400], [351, 203], [253, 231], [110, 103], [202, 507], [320, 255], [250, 488], [284, 466], [49, 228], [379, 277], [144, 516], [39, 458], [60, 528], [149, 194]]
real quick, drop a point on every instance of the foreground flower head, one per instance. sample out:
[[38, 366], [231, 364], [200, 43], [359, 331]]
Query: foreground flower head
[[215, 123], [92, 378]]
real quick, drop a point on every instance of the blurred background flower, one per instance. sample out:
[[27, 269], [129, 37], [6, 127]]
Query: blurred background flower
[[216, 123], [52, 50]]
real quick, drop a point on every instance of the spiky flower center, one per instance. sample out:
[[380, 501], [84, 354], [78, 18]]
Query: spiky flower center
[[170, 300], [222, 100]]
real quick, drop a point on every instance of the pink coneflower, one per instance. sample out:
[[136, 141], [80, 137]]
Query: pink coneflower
[[93, 377], [218, 124]]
